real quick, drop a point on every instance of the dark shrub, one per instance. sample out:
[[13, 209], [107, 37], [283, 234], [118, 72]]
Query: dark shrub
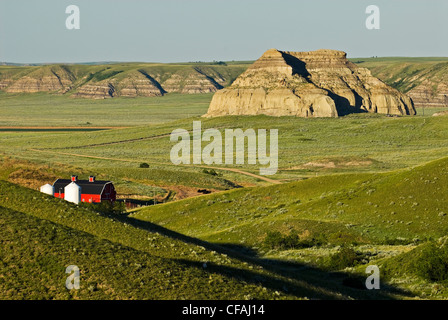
[[432, 264], [211, 172], [276, 240], [144, 165], [106, 207], [273, 239], [344, 258]]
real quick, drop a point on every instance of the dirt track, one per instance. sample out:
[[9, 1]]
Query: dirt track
[[138, 161], [245, 173], [56, 128]]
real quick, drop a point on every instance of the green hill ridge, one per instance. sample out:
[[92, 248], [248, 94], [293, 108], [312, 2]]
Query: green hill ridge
[[125, 259]]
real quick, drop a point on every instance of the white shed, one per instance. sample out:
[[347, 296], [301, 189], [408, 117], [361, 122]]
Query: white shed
[[47, 189], [72, 193]]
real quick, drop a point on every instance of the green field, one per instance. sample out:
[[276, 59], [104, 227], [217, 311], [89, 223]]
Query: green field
[[43, 109], [357, 143], [357, 210], [352, 191], [369, 183], [122, 258], [56, 109]]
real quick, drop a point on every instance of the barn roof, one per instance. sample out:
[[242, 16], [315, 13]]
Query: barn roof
[[87, 187]]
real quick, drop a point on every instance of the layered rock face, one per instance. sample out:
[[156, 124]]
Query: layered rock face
[[133, 84], [320, 83], [101, 82], [193, 83], [4, 83], [101, 90], [430, 94], [425, 80], [48, 78]]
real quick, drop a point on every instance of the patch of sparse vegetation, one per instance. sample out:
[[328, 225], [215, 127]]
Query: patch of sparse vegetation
[[277, 240], [432, 264], [106, 207], [211, 172], [429, 261], [345, 257], [144, 165]]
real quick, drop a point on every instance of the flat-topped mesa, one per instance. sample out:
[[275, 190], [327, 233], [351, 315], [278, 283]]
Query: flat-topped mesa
[[320, 83], [323, 58], [272, 61]]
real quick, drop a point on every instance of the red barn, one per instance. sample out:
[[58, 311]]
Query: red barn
[[91, 190]]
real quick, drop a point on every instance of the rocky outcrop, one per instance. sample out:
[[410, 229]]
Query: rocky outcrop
[[440, 113], [425, 80], [101, 90], [121, 80], [48, 78], [148, 83], [320, 83], [132, 84], [190, 84], [430, 94], [193, 80], [4, 83]]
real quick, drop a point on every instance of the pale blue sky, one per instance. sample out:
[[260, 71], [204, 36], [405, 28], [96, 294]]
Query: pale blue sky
[[204, 30]]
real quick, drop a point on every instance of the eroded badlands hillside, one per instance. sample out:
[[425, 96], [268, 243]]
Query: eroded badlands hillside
[[425, 80], [119, 80], [319, 83]]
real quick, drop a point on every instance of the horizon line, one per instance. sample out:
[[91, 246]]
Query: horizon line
[[6, 63]]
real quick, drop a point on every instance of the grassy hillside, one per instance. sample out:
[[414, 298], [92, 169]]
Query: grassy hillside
[[357, 190], [380, 215], [359, 143], [415, 208], [35, 253], [405, 73], [127, 259], [130, 183], [125, 79], [116, 259], [423, 79]]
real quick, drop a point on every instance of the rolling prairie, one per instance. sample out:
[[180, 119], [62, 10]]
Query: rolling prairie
[[350, 191]]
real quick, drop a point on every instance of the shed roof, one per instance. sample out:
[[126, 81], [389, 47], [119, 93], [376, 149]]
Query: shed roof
[[87, 187]]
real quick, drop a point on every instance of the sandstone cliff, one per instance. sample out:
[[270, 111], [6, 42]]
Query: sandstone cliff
[[47, 78], [131, 84], [119, 80], [320, 83], [430, 93], [425, 80]]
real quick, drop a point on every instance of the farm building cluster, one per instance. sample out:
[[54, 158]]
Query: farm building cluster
[[76, 191]]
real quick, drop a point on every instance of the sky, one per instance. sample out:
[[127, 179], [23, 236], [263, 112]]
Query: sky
[[205, 30]]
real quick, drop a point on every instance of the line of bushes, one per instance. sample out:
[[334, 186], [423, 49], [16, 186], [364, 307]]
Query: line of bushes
[[277, 240], [106, 207]]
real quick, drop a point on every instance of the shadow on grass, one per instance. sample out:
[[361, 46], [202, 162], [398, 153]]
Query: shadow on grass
[[289, 277], [246, 251]]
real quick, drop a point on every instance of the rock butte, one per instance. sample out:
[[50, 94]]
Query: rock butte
[[320, 83]]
